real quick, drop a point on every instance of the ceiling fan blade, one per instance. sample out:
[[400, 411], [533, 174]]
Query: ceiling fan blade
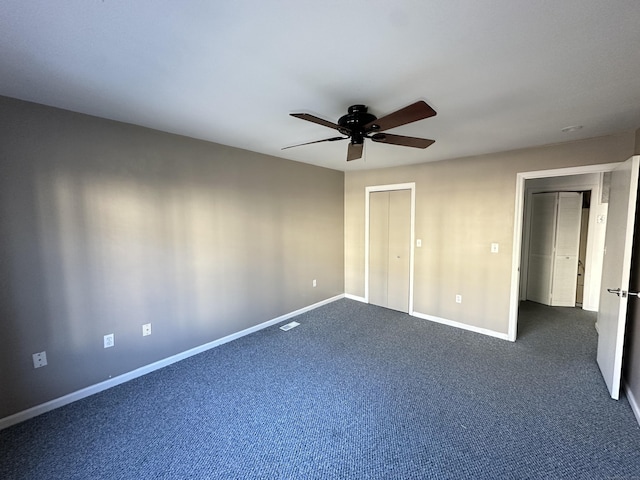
[[332, 139], [354, 152], [401, 140], [310, 118], [412, 113]]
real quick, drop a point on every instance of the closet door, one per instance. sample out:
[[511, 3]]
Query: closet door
[[541, 243], [389, 248], [565, 268], [399, 250], [554, 242], [378, 247]]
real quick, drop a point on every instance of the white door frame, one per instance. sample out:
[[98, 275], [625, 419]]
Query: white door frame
[[386, 188], [521, 177]]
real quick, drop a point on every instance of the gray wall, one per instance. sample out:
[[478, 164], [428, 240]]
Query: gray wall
[[632, 344], [462, 206], [106, 226], [631, 360]]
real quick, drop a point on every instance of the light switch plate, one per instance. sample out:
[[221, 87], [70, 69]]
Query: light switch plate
[[494, 248]]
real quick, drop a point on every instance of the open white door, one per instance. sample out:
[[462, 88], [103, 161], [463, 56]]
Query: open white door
[[615, 272]]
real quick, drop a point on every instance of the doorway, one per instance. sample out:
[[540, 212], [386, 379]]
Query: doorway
[[571, 179]]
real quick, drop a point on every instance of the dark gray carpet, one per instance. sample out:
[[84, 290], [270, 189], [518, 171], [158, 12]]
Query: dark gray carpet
[[355, 392]]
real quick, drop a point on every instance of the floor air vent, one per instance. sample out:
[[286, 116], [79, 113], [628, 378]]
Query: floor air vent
[[289, 326]]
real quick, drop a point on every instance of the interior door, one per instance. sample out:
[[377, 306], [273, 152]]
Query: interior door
[[399, 250], [541, 247], [378, 247], [389, 249], [567, 246], [616, 269]]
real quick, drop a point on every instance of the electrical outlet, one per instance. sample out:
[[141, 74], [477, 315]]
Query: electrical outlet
[[314, 282], [109, 340], [39, 359], [458, 298], [146, 329]]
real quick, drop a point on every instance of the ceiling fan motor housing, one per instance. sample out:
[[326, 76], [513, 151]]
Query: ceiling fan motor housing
[[352, 124]]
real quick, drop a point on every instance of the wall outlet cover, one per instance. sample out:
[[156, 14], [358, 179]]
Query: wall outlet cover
[[39, 359], [109, 340], [146, 329]]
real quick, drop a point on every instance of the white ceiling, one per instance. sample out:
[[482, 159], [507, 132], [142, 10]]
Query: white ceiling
[[502, 74]]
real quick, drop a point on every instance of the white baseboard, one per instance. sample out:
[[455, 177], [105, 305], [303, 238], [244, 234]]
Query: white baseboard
[[464, 326], [112, 382], [451, 323], [444, 321], [354, 297], [635, 407]]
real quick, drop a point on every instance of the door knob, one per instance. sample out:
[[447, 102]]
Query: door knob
[[622, 293]]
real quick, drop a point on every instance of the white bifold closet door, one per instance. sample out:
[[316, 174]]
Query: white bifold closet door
[[389, 248], [554, 242]]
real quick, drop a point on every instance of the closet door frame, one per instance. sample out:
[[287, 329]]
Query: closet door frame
[[386, 188]]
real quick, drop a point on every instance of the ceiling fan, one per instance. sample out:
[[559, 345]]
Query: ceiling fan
[[359, 124]]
